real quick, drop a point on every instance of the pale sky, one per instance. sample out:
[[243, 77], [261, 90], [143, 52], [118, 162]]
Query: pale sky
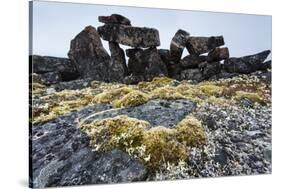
[[55, 24]]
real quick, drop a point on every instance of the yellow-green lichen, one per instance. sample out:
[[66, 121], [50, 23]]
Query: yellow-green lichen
[[166, 93], [211, 90], [254, 97], [154, 84], [134, 98], [113, 94]]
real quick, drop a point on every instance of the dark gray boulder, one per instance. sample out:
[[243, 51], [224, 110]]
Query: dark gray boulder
[[210, 69], [61, 156], [89, 56], [45, 64], [192, 61], [146, 62], [118, 67], [192, 74], [247, 64], [201, 45], [72, 85], [133, 79], [114, 19], [130, 36], [174, 70], [218, 54], [165, 55], [178, 44]]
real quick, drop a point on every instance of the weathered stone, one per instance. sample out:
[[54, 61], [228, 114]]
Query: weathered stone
[[178, 44], [72, 85], [63, 66], [89, 56], [61, 155], [46, 78], [192, 74], [146, 62], [247, 64], [192, 61], [114, 19], [131, 36], [218, 54], [118, 67], [174, 70], [201, 45], [166, 57], [210, 69]]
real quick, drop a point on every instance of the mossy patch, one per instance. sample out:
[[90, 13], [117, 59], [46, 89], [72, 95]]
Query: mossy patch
[[211, 90], [254, 97], [109, 96], [153, 146], [134, 98], [166, 93], [155, 83]]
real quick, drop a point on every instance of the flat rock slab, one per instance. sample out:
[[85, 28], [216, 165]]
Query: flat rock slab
[[201, 45], [61, 156], [130, 36], [156, 112], [114, 19]]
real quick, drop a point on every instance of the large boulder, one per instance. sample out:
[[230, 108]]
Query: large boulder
[[146, 62], [130, 36], [89, 56], [210, 69], [61, 155], [45, 64], [201, 45], [218, 54], [192, 74], [118, 67], [192, 61], [247, 64], [114, 19], [178, 44]]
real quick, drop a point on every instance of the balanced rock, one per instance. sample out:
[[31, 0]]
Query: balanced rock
[[201, 45], [192, 61], [114, 19], [178, 44], [130, 36], [63, 67], [89, 56], [118, 67], [218, 54], [247, 64]]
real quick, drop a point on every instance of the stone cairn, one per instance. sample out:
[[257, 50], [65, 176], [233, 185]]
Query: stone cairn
[[207, 58]]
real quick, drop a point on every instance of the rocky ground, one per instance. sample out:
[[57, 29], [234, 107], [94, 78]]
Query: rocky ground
[[89, 132]]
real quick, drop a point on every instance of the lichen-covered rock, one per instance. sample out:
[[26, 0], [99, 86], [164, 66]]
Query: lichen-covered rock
[[72, 85], [89, 56], [129, 35], [46, 78], [210, 69], [201, 45], [118, 68], [218, 54], [178, 44], [114, 19], [61, 156], [45, 64], [192, 61], [133, 79], [247, 64]]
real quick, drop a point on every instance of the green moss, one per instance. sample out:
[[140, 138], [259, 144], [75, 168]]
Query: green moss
[[109, 96], [166, 93], [211, 90], [38, 89], [133, 98], [154, 84], [254, 97], [190, 132]]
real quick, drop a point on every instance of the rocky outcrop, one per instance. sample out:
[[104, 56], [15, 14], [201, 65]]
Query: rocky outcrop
[[178, 44], [129, 35], [89, 56], [247, 64], [61, 156]]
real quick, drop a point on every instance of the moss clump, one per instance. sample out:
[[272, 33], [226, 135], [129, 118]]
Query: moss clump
[[162, 146], [118, 132], [113, 94], [155, 83], [190, 132], [38, 88], [211, 90], [166, 93], [133, 98], [254, 97], [154, 146]]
